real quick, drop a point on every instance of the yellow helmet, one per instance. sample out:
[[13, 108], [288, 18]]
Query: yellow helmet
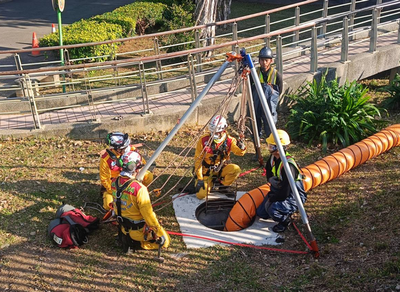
[[283, 137]]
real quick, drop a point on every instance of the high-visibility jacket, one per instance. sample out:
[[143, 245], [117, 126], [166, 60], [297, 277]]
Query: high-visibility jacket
[[135, 203], [213, 153], [284, 191], [277, 169], [273, 77]]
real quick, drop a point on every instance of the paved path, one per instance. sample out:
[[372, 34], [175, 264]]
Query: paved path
[[167, 100]]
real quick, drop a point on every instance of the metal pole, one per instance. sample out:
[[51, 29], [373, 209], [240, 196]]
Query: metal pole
[[198, 55], [257, 143], [378, 17], [182, 121], [158, 62], [345, 41], [374, 31], [279, 54], [398, 32], [267, 29], [32, 103], [296, 35], [143, 87], [324, 15], [314, 50], [352, 9], [60, 37], [279, 144]]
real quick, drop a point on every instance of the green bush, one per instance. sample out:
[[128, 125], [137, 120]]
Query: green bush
[[127, 23], [393, 102], [179, 16], [331, 114], [135, 17], [86, 31]]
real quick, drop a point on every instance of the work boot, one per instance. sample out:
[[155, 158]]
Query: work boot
[[282, 226]]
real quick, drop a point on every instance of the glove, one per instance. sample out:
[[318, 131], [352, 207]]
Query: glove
[[275, 182], [161, 240], [200, 184], [241, 145]]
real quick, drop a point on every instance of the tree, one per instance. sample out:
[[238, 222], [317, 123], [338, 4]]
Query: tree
[[208, 12]]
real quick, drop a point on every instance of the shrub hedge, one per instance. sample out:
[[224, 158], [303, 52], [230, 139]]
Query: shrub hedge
[[86, 31], [122, 22]]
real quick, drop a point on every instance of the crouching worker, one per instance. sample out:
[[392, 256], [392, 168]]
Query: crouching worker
[[280, 203], [212, 158], [110, 164], [137, 223]]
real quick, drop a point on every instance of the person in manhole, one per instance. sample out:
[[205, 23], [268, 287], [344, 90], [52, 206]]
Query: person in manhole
[[137, 223], [280, 204], [212, 158], [110, 165]]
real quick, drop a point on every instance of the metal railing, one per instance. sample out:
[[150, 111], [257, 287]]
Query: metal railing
[[343, 24]]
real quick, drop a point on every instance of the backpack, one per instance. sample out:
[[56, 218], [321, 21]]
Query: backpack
[[71, 227]]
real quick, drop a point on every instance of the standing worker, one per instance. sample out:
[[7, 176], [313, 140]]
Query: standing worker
[[272, 86], [110, 165], [212, 158], [280, 203], [137, 222]]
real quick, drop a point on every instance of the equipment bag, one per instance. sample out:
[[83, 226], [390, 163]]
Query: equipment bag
[[71, 227]]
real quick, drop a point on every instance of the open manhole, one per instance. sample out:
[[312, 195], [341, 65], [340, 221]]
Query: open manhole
[[214, 213]]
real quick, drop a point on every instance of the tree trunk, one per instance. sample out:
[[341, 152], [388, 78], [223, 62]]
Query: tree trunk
[[208, 12]]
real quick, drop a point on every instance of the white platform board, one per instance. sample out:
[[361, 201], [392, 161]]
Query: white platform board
[[259, 233]]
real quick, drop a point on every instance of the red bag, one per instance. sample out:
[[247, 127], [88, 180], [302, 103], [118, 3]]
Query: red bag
[[71, 227]]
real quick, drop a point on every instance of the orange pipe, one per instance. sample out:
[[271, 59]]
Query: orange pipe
[[318, 173]]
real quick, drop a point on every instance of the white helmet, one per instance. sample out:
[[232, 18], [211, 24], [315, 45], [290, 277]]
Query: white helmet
[[130, 161], [217, 124]]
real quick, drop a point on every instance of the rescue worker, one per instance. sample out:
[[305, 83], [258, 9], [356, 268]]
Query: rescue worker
[[212, 158], [137, 222], [110, 165], [272, 85], [280, 203]]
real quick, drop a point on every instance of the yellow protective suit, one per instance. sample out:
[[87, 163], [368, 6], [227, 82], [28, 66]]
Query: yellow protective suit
[[109, 170], [136, 206], [210, 154]]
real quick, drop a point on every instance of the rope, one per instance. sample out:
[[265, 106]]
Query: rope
[[248, 171], [302, 236], [238, 244], [222, 110]]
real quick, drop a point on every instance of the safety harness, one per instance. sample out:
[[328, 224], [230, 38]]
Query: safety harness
[[221, 152], [125, 222]]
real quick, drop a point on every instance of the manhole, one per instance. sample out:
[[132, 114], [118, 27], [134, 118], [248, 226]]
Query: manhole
[[214, 213]]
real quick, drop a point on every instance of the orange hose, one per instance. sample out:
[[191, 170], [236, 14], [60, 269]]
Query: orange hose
[[318, 173]]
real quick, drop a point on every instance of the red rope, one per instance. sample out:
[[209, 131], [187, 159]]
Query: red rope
[[238, 244], [302, 237], [247, 172]]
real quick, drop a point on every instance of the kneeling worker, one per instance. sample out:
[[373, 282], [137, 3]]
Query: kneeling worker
[[110, 164], [212, 165], [280, 204], [137, 221]]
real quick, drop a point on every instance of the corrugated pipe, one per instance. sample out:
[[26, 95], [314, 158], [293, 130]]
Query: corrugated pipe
[[318, 173]]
